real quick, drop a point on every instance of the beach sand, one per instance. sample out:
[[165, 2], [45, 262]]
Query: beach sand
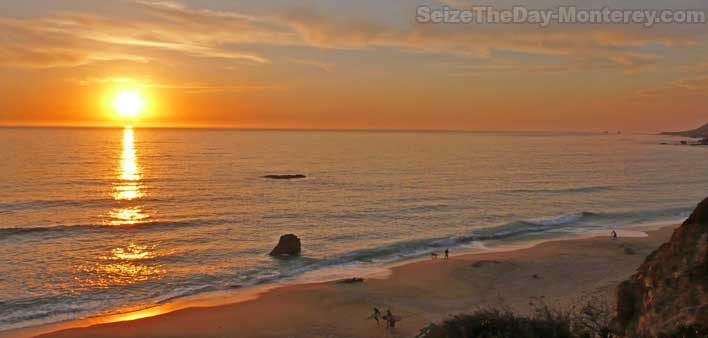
[[559, 273]]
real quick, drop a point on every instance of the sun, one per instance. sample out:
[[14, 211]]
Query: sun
[[128, 104]]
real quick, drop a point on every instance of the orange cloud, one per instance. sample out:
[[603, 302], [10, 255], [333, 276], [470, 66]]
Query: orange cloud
[[699, 83]]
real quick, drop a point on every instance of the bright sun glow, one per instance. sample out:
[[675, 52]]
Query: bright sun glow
[[128, 104]]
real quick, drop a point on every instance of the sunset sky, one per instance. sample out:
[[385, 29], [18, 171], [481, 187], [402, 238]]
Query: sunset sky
[[345, 64]]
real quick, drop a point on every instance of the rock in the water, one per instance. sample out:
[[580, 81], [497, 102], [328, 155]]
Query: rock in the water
[[670, 289], [284, 177], [288, 245]]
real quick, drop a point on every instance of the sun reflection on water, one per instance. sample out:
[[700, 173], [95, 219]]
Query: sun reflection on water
[[131, 252], [123, 266], [128, 186], [127, 216], [128, 162]]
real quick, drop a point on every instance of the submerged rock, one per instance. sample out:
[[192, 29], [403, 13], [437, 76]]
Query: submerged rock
[[288, 245], [670, 289], [284, 177]]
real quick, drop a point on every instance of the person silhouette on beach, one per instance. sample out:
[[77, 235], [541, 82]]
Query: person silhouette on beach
[[376, 315], [390, 319], [447, 253], [614, 234]]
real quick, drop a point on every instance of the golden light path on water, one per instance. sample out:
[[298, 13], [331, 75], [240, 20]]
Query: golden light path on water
[[130, 263], [128, 187]]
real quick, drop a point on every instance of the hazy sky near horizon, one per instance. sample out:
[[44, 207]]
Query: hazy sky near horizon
[[347, 64]]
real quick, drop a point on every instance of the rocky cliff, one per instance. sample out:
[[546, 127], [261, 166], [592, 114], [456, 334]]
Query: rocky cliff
[[670, 289]]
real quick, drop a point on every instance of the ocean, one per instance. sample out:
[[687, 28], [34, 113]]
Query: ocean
[[99, 221]]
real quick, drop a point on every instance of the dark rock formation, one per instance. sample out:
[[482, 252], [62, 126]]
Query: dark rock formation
[[670, 289], [288, 245], [695, 133], [354, 280], [284, 177]]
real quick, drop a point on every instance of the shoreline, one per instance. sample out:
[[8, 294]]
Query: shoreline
[[385, 274]]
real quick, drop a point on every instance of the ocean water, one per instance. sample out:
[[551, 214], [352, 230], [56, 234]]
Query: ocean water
[[100, 221]]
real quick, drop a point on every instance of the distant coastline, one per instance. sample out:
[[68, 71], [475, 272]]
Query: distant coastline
[[698, 133], [701, 132]]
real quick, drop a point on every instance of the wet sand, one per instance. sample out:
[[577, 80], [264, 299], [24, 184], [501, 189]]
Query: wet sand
[[559, 273]]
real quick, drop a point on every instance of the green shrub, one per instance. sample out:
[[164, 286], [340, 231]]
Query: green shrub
[[500, 324], [590, 321]]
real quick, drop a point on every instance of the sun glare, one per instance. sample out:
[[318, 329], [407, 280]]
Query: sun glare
[[128, 104]]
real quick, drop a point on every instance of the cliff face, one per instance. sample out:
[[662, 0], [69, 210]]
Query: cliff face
[[701, 132], [670, 289]]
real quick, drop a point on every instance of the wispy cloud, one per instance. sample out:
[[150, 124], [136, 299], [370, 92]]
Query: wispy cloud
[[188, 87], [698, 83], [328, 67], [71, 39], [695, 84], [634, 62]]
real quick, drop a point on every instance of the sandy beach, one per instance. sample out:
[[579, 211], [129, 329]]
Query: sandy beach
[[559, 273]]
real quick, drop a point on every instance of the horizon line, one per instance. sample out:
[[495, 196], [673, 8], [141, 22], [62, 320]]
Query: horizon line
[[244, 128]]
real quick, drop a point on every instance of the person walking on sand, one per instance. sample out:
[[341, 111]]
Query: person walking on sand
[[376, 315], [447, 253], [614, 234]]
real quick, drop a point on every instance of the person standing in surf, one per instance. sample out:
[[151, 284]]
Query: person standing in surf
[[391, 319]]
